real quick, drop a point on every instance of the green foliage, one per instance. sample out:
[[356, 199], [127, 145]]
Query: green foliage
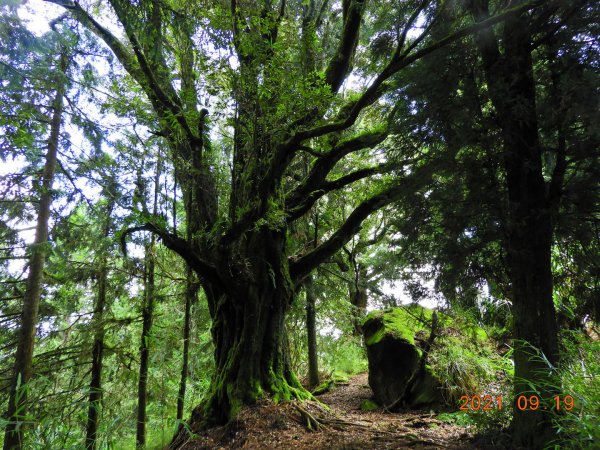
[[460, 418], [448, 226], [580, 378], [465, 359], [345, 355], [368, 405]]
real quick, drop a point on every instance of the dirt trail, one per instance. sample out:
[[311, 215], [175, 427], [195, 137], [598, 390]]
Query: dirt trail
[[344, 427]]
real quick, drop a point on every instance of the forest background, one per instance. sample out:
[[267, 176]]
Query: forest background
[[201, 199]]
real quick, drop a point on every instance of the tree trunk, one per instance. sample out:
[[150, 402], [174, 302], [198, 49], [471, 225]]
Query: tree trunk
[[248, 328], [17, 404], [358, 299], [190, 295], [311, 332], [95, 397], [358, 294], [529, 232], [147, 318]]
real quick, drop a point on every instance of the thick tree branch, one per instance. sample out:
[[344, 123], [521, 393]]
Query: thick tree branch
[[117, 47], [172, 105], [135, 64], [378, 87], [333, 185], [321, 14], [203, 268], [317, 176], [408, 26], [303, 266], [327, 161], [339, 66]]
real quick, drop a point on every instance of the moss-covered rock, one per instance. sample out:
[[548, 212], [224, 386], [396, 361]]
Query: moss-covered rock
[[462, 358], [394, 357], [324, 387], [401, 323]]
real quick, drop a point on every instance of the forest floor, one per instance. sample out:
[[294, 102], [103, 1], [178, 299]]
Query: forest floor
[[344, 427]]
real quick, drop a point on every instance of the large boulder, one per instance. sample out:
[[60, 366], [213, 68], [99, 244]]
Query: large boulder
[[395, 358]]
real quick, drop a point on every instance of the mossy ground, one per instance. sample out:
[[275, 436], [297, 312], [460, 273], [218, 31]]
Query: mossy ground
[[369, 405]]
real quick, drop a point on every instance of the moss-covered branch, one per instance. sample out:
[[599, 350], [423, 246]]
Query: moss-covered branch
[[303, 266], [203, 268]]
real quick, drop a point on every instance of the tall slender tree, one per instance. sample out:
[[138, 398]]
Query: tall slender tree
[[531, 201], [311, 332], [191, 293], [148, 307], [95, 388], [17, 405]]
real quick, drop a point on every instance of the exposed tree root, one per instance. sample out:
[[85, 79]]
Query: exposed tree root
[[323, 418], [312, 423]]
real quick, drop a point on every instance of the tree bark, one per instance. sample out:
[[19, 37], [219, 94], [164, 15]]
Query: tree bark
[[311, 332], [190, 295], [95, 397], [358, 294], [248, 312], [147, 319], [529, 232], [17, 404]]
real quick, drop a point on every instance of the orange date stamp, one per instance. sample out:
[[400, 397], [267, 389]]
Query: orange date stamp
[[477, 402], [523, 403]]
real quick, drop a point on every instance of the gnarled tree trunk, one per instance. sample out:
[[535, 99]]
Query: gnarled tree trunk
[[248, 328]]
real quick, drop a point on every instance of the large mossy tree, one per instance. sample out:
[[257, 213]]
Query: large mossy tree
[[277, 72]]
